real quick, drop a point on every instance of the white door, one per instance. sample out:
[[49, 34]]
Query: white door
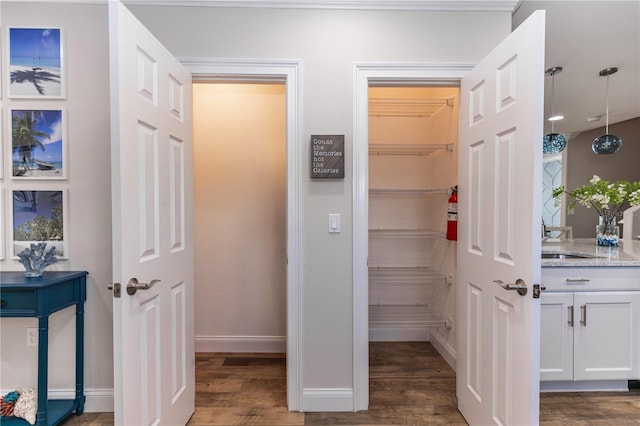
[[152, 227], [500, 182]]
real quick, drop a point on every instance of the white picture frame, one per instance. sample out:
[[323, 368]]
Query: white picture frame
[[42, 153], [30, 208], [35, 63]]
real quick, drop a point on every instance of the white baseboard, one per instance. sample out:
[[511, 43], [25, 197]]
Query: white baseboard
[[399, 334], [327, 400], [444, 348], [271, 344], [586, 386]]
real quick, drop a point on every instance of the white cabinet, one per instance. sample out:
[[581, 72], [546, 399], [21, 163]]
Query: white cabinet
[[589, 334]]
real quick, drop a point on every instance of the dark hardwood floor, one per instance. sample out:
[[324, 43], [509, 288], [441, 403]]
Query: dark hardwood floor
[[410, 384]]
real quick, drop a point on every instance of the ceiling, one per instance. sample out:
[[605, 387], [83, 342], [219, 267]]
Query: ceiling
[[585, 37]]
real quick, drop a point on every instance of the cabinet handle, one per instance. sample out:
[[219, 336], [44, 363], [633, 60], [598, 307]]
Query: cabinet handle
[[2, 303], [583, 315], [570, 321], [578, 280]]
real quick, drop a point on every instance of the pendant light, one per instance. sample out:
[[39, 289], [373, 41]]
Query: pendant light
[[553, 143], [607, 143]]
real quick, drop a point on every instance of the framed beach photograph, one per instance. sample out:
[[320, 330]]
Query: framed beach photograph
[[38, 144], [35, 63], [39, 216]]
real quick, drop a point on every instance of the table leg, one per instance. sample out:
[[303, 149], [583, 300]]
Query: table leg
[[80, 398], [43, 365]]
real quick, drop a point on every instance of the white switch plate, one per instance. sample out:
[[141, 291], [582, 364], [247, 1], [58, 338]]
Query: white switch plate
[[334, 223]]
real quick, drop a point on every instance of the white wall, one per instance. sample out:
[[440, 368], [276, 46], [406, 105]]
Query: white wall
[[240, 217], [89, 210], [329, 43]]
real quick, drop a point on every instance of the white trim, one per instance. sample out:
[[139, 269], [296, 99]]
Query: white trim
[[444, 349], [257, 344], [364, 74], [323, 400], [586, 386], [291, 73], [431, 5], [399, 334]]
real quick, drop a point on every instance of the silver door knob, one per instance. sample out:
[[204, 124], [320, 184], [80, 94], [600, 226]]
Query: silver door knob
[[520, 286], [133, 285]]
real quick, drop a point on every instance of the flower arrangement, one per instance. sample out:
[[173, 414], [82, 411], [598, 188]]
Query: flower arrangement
[[607, 198]]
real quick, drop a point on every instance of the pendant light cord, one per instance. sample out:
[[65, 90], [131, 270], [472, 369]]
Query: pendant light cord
[[607, 102], [553, 99]]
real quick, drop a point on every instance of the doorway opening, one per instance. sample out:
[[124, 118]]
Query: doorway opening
[[284, 74], [239, 133], [375, 220], [412, 168]]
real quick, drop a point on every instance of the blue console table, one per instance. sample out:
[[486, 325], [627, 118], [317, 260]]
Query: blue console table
[[39, 298]]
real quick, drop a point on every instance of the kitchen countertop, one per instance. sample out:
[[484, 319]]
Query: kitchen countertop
[[627, 254]]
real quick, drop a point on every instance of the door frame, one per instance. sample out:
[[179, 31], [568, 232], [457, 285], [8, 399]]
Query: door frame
[[290, 73], [429, 74]]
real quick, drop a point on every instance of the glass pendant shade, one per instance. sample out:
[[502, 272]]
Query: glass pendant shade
[[607, 143], [553, 143]]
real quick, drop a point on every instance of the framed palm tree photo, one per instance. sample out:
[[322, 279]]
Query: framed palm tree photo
[[38, 144], [35, 63], [39, 217]]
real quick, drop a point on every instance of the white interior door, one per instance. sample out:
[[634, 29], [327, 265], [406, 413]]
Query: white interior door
[[500, 166], [152, 227]]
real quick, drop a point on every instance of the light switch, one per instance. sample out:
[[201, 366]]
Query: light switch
[[334, 223]]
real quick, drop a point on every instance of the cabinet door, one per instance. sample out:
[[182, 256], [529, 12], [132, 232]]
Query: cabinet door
[[606, 335], [556, 336]]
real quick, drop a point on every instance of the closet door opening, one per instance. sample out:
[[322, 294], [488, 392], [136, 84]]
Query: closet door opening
[[240, 217], [412, 166]]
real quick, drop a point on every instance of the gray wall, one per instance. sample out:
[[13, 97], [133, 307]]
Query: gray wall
[[328, 43], [582, 164], [86, 55]]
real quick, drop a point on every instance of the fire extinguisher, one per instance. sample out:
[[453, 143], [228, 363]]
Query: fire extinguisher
[[452, 215]]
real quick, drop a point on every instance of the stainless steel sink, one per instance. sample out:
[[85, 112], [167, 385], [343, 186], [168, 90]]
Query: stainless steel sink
[[555, 255]]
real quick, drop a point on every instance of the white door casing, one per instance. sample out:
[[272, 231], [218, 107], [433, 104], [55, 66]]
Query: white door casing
[[500, 166], [152, 193], [437, 74]]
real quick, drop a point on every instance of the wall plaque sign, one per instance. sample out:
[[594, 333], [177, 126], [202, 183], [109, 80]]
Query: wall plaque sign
[[327, 156]]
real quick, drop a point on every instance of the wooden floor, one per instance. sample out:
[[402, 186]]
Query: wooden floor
[[410, 384]]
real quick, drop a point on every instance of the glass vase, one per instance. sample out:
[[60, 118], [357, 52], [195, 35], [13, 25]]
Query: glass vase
[[607, 232]]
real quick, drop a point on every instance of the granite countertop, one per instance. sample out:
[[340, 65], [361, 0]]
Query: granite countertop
[[627, 254]]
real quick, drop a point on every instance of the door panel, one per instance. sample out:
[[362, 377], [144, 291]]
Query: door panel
[[152, 227], [500, 166]]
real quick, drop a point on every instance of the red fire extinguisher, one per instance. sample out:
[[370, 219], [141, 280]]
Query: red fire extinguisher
[[452, 215]]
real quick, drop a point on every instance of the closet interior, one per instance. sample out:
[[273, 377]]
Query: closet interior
[[412, 169]]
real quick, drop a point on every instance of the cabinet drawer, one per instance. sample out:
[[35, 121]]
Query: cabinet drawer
[[17, 303], [591, 279]]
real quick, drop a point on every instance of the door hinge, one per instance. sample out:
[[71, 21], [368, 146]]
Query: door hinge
[[537, 289]]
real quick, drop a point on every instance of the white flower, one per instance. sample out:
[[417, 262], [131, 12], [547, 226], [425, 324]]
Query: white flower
[[595, 179]]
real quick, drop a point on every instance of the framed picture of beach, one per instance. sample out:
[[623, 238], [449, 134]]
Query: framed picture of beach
[[38, 144], [39, 216], [36, 66]]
